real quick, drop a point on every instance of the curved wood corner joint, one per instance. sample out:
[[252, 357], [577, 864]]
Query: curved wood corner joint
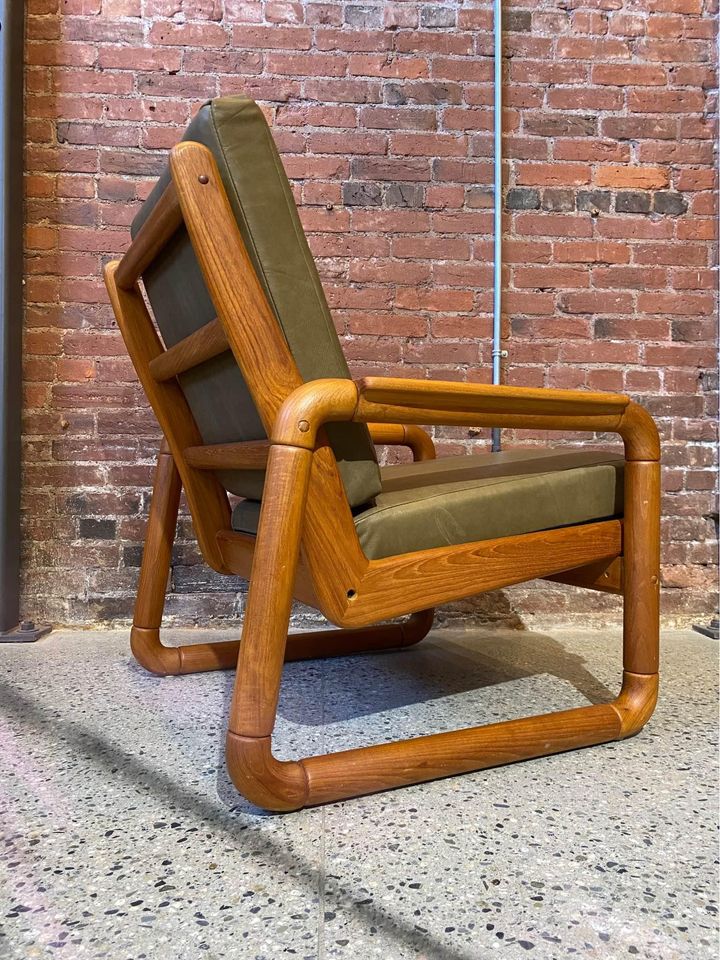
[[636, 702], [404, 435]]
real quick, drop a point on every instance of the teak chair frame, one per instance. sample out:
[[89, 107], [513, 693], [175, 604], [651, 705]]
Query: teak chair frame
[[307, 547]]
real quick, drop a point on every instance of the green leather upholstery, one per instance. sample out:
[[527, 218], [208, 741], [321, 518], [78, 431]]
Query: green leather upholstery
[[234, 129], [436, 503]]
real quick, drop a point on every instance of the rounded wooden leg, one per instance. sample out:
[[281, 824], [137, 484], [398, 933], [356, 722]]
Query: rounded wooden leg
[[157, 553], [636, 702], [252, 767], [341, 643], [641, 612]]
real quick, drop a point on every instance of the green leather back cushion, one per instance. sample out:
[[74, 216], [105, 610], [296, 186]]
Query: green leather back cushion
[[234, 129]]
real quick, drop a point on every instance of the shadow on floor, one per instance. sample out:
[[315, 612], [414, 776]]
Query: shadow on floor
[[447, 663]]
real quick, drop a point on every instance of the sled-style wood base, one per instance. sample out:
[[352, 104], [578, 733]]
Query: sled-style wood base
[[149, 651], [288, 785]]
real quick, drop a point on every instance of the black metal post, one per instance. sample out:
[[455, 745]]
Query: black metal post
[[12, 21]]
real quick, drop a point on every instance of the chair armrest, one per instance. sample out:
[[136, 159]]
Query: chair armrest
[[472, 398], [393, 400], [404, 435]]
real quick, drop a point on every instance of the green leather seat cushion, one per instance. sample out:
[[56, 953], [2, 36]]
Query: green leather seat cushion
[[235, 131], [453, 500]]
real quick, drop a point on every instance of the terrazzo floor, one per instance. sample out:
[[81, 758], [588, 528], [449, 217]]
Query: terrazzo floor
[[122, 837]]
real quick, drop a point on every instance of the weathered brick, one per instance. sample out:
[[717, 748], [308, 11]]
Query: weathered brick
[[91, 529], [632, 201], [522, 198], [558, 200], [437, 16], [669, 202], [517, 21], [594, 200], [364, 17], [404, 195]]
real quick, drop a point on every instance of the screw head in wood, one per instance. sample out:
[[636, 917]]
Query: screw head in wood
[[204, 178], [303, 426]]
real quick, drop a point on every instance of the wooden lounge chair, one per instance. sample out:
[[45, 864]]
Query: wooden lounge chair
[[254, 398]]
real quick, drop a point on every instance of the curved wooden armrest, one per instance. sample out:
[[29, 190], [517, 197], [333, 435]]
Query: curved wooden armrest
[[391, 400], [451, 396], [404, 435]]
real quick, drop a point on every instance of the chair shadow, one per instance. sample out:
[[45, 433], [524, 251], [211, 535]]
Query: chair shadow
[[449, 662]]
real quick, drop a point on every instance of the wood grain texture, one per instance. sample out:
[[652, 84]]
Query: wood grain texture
[[279, 785], [331, 550], [429, 577], [477, 416], [164, 220], [641, 563], [307, 545], [267, 613], [639, 433], [451, 395], [353, 773], [246, 455], [206, 498], [636, 702], [242, 307], [308, 645], [309, 407], [155, 569], [204, 344]]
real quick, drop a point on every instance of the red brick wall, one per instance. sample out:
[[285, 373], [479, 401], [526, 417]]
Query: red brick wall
[[383, 114]]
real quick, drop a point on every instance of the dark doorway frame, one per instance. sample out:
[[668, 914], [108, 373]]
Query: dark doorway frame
[[12, 33]]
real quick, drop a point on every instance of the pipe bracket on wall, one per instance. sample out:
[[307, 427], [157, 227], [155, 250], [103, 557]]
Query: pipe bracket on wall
[[12, 24]]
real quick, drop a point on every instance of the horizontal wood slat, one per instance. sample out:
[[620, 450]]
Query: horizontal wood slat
[[159, 227], [249, 455], [204, 344], [606, 576]]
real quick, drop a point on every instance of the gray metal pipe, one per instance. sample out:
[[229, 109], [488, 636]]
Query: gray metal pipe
[[497, 351]]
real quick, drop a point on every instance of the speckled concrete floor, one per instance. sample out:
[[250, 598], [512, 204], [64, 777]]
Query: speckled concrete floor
[[123, 838]]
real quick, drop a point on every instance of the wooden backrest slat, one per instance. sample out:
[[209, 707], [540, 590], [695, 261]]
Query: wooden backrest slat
[[330, 543], [204, 344], [247, 455], [164, 220], [257, 342]]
